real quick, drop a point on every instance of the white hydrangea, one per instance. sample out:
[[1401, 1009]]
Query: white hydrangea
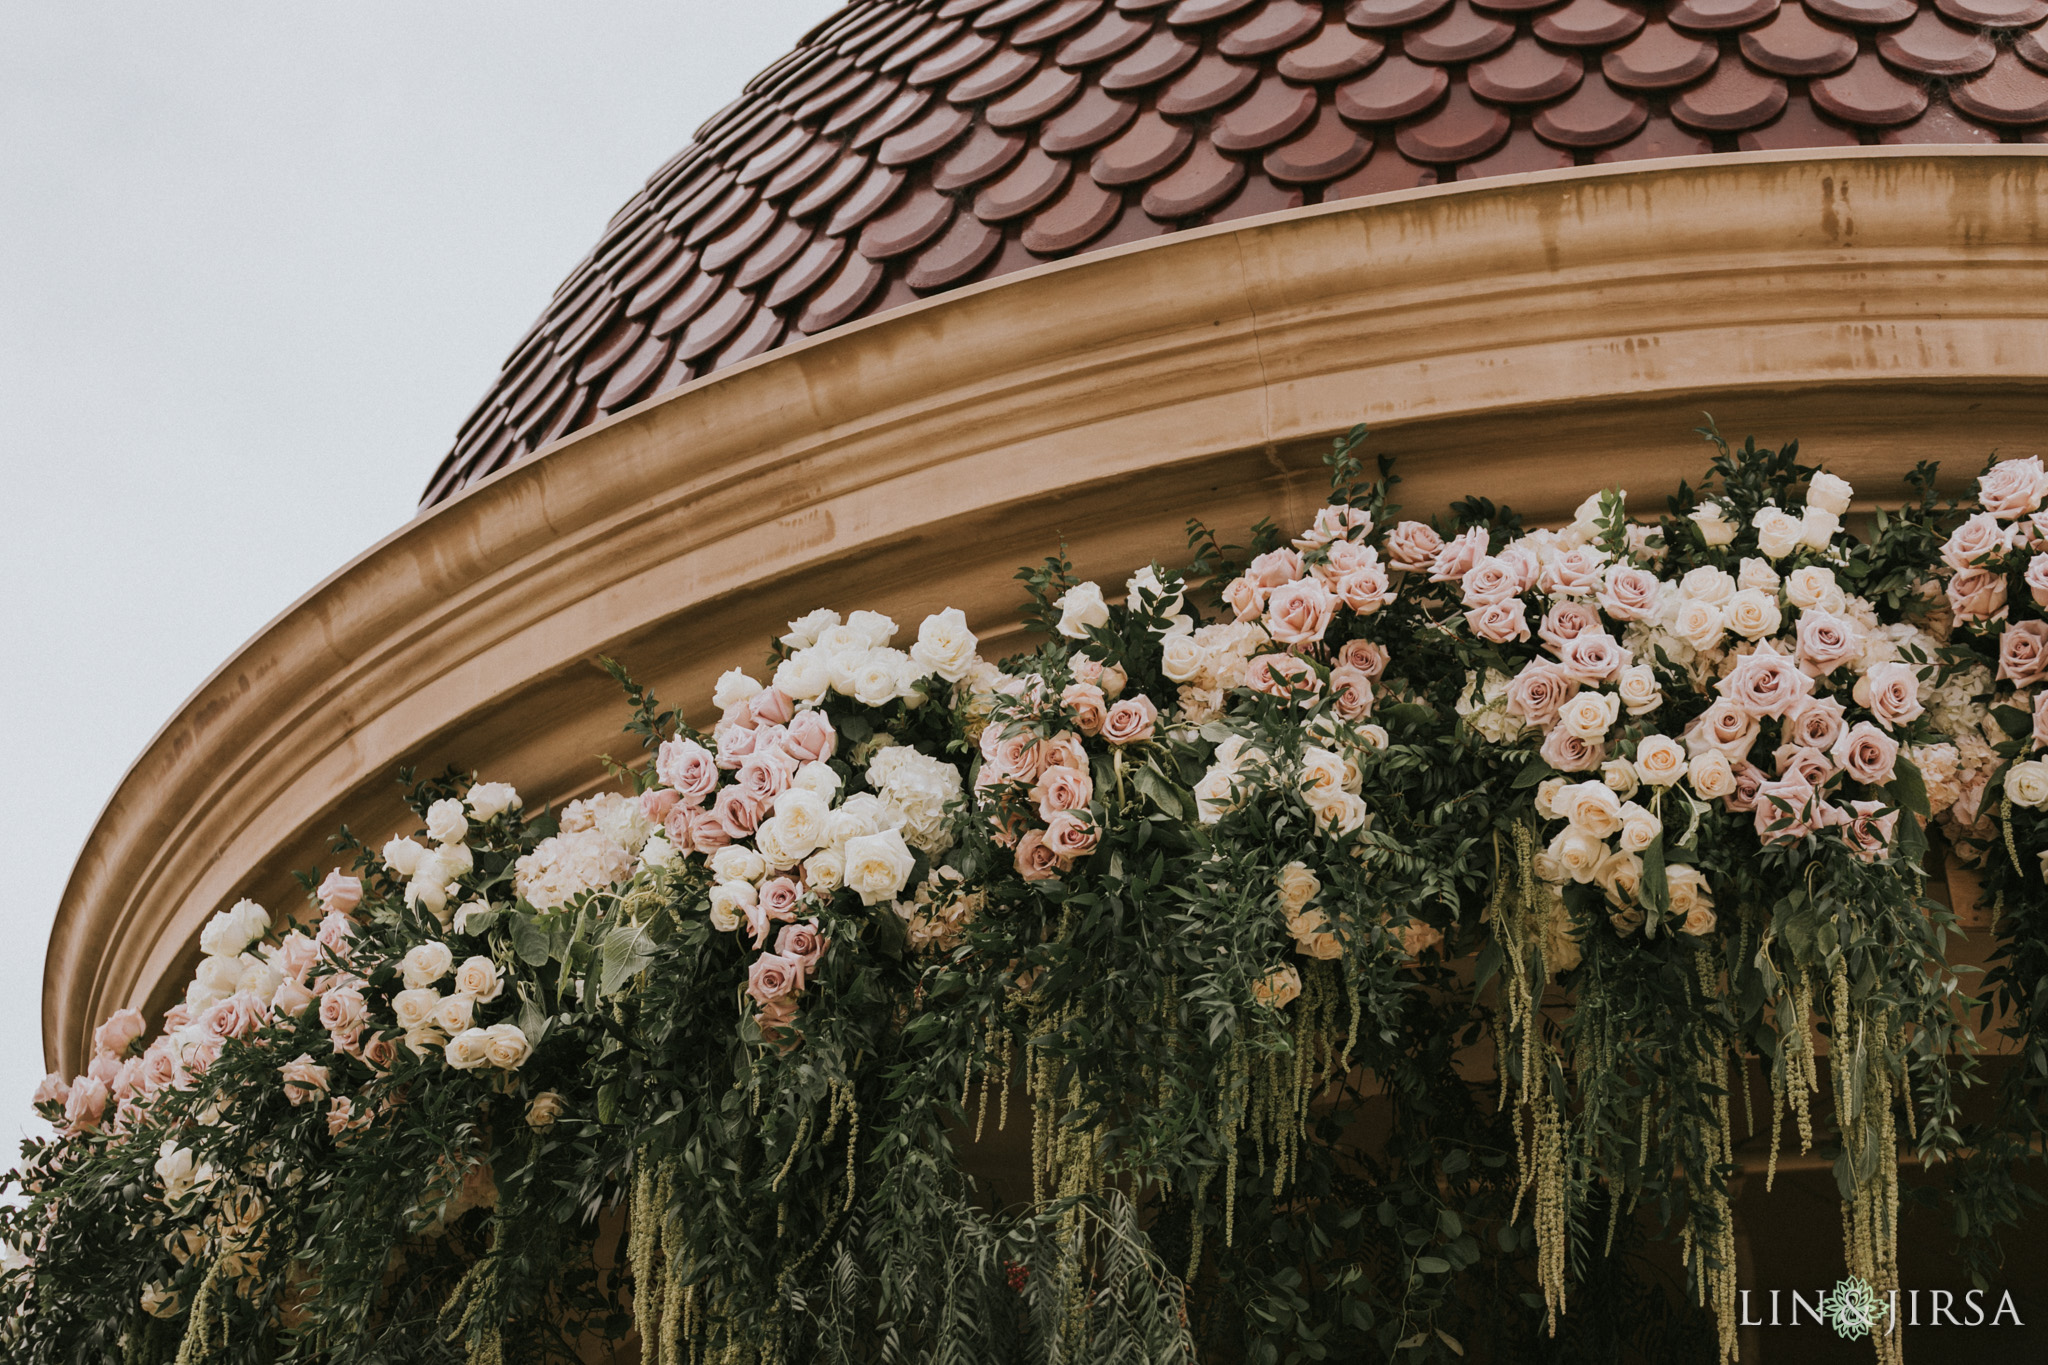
[[1487, 716], [568, 865], [619, 818], [916, 788]]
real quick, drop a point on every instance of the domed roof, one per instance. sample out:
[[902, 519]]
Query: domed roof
[[911, 146]]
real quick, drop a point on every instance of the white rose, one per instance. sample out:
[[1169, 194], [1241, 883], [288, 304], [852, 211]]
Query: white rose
[[1758, 574], [1818, 527], [777, 849], [1590, 806], [1145, 584], [1777, 532], [1814, 586], [860, 815], [505, 1046], [730, 902], [877, 865], [229, 933], [1577, 853], [403, 856], [1708, 584], [2027, 783], [1700, 623], [1753, 614], [468, 1050], [844, 640], [489, 800], [1322, 772], [1639, 828], [425, 964], [878, 629], [258, 977], [414, 1009], [804, 676], [180, 1170], [1620, 776], [803, 815], [1829, 493], [454, 1013], [1340, 813], [734, 688], [945, 645], [1589, 714], [805, 630], [1717, 529], [446, 823], [429, 893], [1711, 774], [823, 871], [1547, 792], [738, 863], [658, 852], [877, 679], [1181, 659], [1298, 886], [818, 778], [1660, 760], [1638, 690], [481, 979], [1081, 606], [219, 975]]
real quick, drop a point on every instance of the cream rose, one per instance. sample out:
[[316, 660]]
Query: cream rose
[[489, 800], [1814, 586], [1707, 584], [1620, 776], [468, 1050], [1278, 988], [1758, 574], [1298, 886], [877, 865], [1817, 527], [425, 964], [505, 1046], [1081, 607], [1829, 493], [1777, 532], [1588, 715], [414, 1009], [1715, 528], [1753, 614], [1701, 624], [1711, 774], [1660, 761], [446, 821], [1590, 806], [1578, 853], [1638, 690], [481, 979], [2026, 783], [1639, 828], [945, 645]]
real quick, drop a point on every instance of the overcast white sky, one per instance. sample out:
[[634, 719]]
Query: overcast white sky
[[257, 262]]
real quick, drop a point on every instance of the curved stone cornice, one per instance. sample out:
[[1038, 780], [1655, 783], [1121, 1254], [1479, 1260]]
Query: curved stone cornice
[[1526, 338]]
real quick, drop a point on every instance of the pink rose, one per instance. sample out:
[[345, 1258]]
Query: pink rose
[[104, 1069], [771, 705], [240, 1015], [1977, 595], [1365, 656], [1085, 701], [1567, 753], [764, 775], [735, 743], [379, 1053], [339, 894], [1063, 750], [1298, 613], [773, 976], [2041, 721], [1245, 598], [1867, 753], [297, 955], [2023, 653], [128, 1082], [1489, 581], [810, 737], [708, 830], [1975, 541], [1413, 546], [1062, 788], [802, 943], [304, 1082], [1457, 557], [1342, 558], [1526, 565], [1070, 834], [177, 1016], [779, 897], [123, 1029], [1036, 860], [1630, 594], [159, 1065], [291, 997], [736, 812], [2013, 488], [657, 804], [52, 1089], [1825, 642], [1538, 691], [1766, 683], [342, 1118], [1817, 724], [335, 933], [1282, 675], [1594, 656], [689, 768], [1338, 523], [1725, 727], [2037, 579], [1350, 693], [1274, 568], [676, 825], [1500, 622], [1870, 829], [1892, 692], [776, 1020], [343, 1012], [1785, 809], [1015, 755], [1811, 764], [1365, 590], [85, 1106], [1576, 572], [1130, 721], [1565, 622]]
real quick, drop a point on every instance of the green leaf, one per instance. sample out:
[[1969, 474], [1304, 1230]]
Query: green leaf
[[530, 941], [1533, 772], [1656, 887], [1909, 789], [626, 952], [1432, 1265]]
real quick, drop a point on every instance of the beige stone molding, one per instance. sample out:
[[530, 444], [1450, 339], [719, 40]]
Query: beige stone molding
[[1527, 338]]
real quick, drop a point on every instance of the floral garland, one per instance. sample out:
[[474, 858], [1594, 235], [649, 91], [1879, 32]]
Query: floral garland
[[1226, 875]]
